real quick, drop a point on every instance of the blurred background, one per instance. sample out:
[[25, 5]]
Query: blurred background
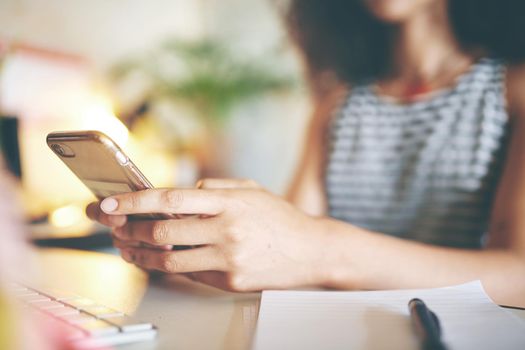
[[188, 88]]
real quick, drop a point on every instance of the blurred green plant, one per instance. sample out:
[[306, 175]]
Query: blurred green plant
[[207, 76]]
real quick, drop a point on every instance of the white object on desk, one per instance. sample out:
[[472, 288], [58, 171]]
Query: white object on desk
[[380, 320]]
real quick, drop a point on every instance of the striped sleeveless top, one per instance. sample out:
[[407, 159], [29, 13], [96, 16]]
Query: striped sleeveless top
[[424, 171]]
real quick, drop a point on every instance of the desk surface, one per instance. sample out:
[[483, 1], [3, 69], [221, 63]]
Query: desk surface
[[189, 315]]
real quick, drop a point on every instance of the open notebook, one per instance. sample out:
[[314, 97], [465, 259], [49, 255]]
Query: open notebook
[[380, 320]]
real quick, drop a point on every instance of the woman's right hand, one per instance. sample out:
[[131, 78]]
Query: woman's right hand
[[94, 212], [114, 222]]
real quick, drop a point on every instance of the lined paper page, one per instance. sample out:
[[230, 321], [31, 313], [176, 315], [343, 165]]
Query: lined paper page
[[380, 320]]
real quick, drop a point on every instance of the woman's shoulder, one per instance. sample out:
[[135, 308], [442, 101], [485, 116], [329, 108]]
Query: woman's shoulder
[[327, 94]]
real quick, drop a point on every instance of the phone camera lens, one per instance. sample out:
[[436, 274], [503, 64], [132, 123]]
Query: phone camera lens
[[63, 150], [58, 149]]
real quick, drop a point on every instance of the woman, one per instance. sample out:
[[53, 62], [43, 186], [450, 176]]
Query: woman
[[413, 173]]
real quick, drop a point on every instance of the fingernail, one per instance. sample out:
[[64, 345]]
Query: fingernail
[[109, 204]]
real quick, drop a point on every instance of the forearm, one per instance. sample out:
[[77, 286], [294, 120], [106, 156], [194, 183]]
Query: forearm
[[360, 259]]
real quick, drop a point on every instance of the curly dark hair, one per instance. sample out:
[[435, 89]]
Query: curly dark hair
[[343, 36]]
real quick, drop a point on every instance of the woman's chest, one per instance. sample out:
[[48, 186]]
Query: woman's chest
[[396, 169]]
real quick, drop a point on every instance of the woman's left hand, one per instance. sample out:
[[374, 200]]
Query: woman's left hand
[[247, 239]]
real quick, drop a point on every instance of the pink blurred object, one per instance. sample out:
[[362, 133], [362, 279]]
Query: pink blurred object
[[31, 332], [14, 252], [38, 83]]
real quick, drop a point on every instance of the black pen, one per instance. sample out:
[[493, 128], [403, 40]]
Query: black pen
[[426, 325]]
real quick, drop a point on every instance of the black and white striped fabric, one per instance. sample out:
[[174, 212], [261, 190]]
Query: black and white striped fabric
[[425, 171]]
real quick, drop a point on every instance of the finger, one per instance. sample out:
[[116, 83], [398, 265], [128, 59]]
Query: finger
[[190, 260], [227, 183], [146, 270], [215, 279], [94, 212], [189, 231], [168, 201], [123, 244]]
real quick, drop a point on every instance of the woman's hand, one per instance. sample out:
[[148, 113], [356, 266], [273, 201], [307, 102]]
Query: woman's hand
[[246, 238]]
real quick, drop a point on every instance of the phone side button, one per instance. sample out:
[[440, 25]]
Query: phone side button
[[121, 158]]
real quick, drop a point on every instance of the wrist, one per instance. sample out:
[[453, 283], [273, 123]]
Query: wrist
[[337, 257]]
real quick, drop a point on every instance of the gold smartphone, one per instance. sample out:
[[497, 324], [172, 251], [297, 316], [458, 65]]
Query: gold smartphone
[[100, 164]]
